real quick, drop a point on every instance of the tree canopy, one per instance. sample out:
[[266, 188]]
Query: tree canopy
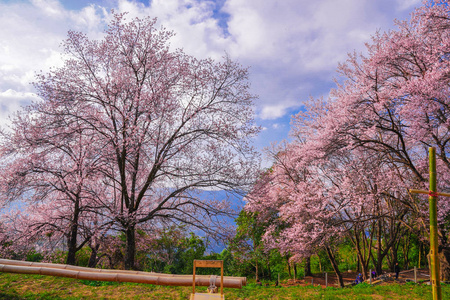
[[132, 131]]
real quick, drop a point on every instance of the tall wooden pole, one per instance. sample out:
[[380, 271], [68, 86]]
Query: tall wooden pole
[[432, 199]]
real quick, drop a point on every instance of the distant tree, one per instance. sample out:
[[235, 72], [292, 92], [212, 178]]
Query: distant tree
[[247, 245], [190, 248]]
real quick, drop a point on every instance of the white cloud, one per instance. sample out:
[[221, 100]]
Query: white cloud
[[11, 101], [50, 8], [31, 33], [311, 35], [292, 46], [408, 4], [274, 111]]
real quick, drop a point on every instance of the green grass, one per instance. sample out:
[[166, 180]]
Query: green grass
[[20, 287]]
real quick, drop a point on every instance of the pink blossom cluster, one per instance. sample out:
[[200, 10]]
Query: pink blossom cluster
[[127, 132], [352, 158]]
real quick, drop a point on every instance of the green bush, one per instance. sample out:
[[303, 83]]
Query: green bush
[[34, 256]]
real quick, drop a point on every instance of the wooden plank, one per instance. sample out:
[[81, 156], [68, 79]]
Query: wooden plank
[[208, 263], [198, 296], [428, 192]]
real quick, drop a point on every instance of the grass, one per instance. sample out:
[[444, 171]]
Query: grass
[[20, 287]]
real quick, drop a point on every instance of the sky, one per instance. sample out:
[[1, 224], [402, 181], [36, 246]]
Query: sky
[[292, 47]]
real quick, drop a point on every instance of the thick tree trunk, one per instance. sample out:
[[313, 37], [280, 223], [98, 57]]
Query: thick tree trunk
[[93, 258], [130, 250], [72, 245], [308, 266], [379, 267], [392, 258], [335, 266], [72, 239]]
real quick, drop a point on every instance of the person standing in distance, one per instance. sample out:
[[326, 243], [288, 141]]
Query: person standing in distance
[[396, 270]]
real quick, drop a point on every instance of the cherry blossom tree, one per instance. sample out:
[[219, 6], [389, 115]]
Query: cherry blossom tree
[[354, 156], [170, 125], [401, 88], [53, 168]]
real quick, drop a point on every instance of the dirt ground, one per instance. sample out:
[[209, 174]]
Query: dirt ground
[[349, 278]]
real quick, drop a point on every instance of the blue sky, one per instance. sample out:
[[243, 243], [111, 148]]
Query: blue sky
[[291, 46]]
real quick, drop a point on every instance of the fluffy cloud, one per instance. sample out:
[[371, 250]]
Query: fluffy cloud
[[292, 46], [12, 101], [31, 33]]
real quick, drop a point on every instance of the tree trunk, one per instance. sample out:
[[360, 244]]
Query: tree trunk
[[72, 245], [308, 266], [358, 264], [289, 270], [72, 239], [364, 269], [320, 264], [394, 257], [406, 249], [93, 258], [444, 263], [420, 254], [379, 261], [379, 267], [335, 266], [130, 250]]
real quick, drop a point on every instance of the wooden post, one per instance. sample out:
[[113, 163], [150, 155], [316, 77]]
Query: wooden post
[[370, 276], [221, 277], [326, 279], [415, 274], [193, 280], [420, 253], [432, 200]]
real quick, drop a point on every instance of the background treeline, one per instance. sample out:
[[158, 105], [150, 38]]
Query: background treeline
[[174, 250]]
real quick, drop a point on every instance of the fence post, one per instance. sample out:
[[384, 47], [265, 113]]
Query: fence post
[[370, 276], [326, 279], [415, 274]]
